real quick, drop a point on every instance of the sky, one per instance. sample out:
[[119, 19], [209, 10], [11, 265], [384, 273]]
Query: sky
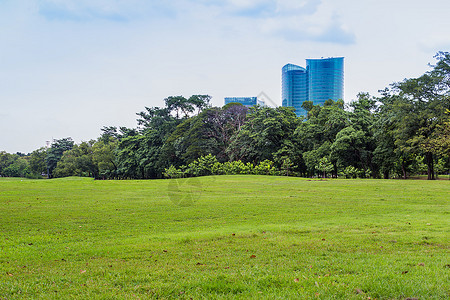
[[70, 67]]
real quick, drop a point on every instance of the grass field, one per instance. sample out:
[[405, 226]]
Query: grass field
[[224, 237]]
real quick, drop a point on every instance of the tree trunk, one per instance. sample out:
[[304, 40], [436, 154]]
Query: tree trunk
[[403, 169], [430, 165], [386, 174]]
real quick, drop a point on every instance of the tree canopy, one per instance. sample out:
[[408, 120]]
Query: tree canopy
[[406, 130]]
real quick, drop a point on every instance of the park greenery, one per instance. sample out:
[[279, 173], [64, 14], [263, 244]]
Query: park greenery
[[404, 131], [224, 237], [243, 234]]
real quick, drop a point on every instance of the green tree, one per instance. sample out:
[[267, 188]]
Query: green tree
[[209, 132], [440, 140], [110, 134], [348, 147], [389, 154], [200, 102], [15, 165], [103, 156], [314, 137], [182, 108], [363, 118], [37, 161], [325, 166], [19, 168], [129, 155], [146, 154], [312, 158], [420, 111], [5, 160], [265, 132], [77, 161], [286, 166], [56, 151]]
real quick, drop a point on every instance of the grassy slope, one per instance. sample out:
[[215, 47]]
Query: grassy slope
[[229, 236]]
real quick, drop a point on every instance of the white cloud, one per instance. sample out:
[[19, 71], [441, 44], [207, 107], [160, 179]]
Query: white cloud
[[111, 10], [306, 7], [302, 20], [292, 20], [308, 21], [261, 8]]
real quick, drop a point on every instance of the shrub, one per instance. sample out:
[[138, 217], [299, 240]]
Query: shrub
[[173, 172], [208, 165], [266, 168]]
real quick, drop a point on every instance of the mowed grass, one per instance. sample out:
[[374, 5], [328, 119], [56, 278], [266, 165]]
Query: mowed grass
[[224, 237]]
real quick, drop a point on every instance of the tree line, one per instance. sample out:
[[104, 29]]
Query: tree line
[[404, 131]]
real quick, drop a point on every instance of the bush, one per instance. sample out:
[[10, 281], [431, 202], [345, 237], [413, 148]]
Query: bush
[[208, 165], [351, 172], [237, 167], [173, 172], [266, 168]]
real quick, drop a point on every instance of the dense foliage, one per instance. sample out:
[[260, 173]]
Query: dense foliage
[[404, 131]]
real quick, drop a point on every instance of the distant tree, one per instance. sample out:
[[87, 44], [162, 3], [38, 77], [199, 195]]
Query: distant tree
[[201, 102], [189, 142], [308, 106], [129, 156], [14, 165], [209, 132], [37, 161], [18, 167], [440, 140], [77, 161], [147, 153], [363, 118], [325, 166], [223, 123], [265, 132], [312, 158], [5, 160], [348, 148], [178, 105], [56, 151], [158, 119], [150, 159], [389, 155], [286, 166], [109, 134], [314, 137], [103, 156], [420, 111]]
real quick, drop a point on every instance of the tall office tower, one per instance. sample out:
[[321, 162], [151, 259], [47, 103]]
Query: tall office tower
[[294, 87], [325, 79], [322, 79]]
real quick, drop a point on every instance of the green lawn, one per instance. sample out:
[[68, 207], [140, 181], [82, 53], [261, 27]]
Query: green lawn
[[224, 237]]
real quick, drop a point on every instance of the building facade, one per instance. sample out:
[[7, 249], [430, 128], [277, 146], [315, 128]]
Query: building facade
[[246, 101], [322, 79], [294, 87]]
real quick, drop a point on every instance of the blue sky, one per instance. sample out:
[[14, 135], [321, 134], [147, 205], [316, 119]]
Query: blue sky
[[70, 67]]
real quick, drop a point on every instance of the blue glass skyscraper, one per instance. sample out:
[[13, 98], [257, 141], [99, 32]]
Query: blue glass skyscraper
[[325, 79], [294, 87], [322, 79]]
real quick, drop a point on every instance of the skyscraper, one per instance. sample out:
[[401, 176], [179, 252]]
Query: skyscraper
[[295, 87], [322, 79], [325, 79]]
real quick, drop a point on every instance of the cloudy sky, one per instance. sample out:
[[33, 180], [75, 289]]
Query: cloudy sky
[[70, 67]]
